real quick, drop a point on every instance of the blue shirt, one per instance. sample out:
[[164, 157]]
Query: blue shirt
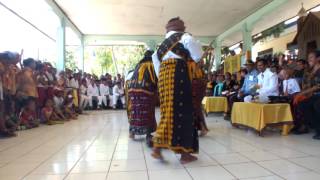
[[250, 80]]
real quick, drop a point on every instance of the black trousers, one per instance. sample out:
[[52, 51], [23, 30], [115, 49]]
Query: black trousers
[[311, 111]]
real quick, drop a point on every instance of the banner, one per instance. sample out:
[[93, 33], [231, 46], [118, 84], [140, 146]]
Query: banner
[[232, 64]]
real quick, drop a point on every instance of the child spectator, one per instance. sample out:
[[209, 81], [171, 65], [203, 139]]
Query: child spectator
[[69, 108], [59, 103], [48, 115], [290, 85], [28, 115], [42, 85]]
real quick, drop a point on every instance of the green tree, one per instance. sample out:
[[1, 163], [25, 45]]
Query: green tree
[[70, 60], [104, 57]]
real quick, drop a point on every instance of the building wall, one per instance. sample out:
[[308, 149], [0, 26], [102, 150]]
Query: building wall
[[278, 44]]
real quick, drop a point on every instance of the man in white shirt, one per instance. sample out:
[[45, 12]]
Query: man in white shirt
[[267, 81], [118, 93], [177, 128], [93, 93], [105, 93]]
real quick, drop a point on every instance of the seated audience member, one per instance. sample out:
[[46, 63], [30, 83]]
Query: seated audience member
[[307, 102], [84, 98], [299, 72], [228, 85], [74, 84], [105, 93], [248, 87], [118, 95], [94, 94], [217, 90], [27, 116], [290, 85], [59, 103], [243, 73], [48, 115], [69, 108], [267, 82]]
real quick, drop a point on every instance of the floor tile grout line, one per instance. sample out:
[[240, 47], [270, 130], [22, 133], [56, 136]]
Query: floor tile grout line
[[145, 160], [85, 151], [41, 143], [41, 163], [220, 164], [115, 148], [28, 153]]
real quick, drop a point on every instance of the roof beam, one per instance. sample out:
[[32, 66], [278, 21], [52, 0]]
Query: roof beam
[[253, 18], [61, 14]]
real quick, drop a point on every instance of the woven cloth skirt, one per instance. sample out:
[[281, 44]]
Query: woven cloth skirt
[[177, 128]]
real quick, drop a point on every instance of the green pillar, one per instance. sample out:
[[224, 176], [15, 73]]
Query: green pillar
[[61, 43], [247, 42], [217, 54], [151, 44]]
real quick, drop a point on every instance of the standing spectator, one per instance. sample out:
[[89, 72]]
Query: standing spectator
[[42, 85], [26, 84]]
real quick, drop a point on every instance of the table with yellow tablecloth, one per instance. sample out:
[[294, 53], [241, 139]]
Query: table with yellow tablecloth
[[215, 104], [258, 116]]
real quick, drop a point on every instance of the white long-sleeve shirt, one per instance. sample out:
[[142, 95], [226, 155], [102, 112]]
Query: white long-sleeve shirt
[[189, 42], [291, 86], [268, 82], [93, 90], [117, 91], [104, 90]]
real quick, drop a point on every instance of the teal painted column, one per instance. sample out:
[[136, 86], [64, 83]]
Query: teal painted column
[[247, 43], [61, 44], [217, 54], [151, 44], [81, 63]]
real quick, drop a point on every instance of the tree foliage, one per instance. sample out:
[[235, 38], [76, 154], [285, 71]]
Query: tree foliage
[[70, 60]]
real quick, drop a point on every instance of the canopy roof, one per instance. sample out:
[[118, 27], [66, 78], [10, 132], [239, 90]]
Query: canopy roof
[[148, 17]]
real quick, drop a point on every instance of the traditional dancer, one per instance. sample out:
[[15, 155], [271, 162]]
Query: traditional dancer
[[141, 99], [198, 84], [177, 129]]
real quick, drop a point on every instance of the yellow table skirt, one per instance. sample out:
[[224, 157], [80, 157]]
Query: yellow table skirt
[[215, 104], [258, 116]]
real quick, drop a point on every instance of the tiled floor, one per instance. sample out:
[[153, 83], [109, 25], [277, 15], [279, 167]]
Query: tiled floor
[[97, 147]]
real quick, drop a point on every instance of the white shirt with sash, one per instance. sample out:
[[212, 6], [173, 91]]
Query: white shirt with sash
[[189, 42]]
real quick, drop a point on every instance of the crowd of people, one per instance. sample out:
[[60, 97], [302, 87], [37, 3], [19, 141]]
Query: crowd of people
[[275, 80], [33, 93]]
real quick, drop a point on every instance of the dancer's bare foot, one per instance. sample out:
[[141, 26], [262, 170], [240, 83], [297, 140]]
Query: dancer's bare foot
[[157, 154], [187, 158], [203, 133]]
